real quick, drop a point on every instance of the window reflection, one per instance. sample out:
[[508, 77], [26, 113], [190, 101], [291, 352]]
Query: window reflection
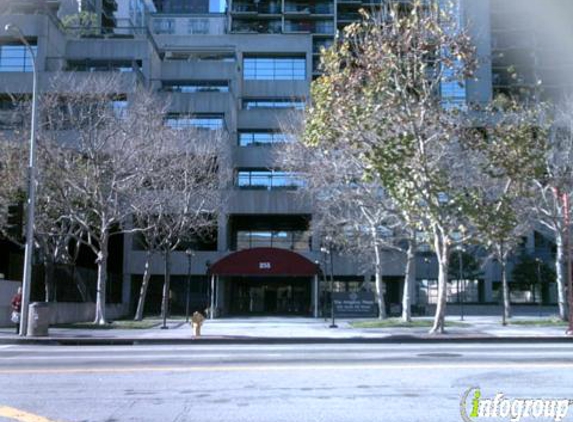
[[297, 240], [274, 68]]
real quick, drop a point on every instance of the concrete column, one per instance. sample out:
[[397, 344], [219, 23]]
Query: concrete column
[[315, 294], [222, 233], [220, 296], [212, 298], [488, 289]]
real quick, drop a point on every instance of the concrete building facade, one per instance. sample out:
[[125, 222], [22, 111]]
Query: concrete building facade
[[241, 68]]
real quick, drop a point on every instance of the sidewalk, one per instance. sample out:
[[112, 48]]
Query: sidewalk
[[293, 330]]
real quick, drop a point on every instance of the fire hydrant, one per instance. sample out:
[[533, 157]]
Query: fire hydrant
[[196, 322]]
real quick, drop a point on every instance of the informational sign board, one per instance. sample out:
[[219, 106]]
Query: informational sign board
[[355, 305]]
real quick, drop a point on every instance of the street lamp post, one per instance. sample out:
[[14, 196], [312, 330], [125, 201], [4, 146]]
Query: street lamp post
[[462, 281], [325, 252], [29, 249], [190, 254], [333, 323], [319, 294], [328, 251], [538, 261]]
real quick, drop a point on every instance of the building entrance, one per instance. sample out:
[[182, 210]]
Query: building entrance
[[270, 296]]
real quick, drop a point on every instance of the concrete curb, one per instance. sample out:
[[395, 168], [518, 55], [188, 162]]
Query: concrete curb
[[228, 340]]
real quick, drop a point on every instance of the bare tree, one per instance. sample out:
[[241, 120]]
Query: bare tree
[[552, 187], [350, 207], [507, 155], [105, 153], [380, 94], [53, 232], [12, 174], [186, 197]]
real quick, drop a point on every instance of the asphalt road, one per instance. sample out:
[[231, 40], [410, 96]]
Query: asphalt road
[[274, 383]]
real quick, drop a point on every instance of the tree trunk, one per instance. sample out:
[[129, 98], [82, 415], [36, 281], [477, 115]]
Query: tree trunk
[[560, 273], [380, 295], [409, 280], [166, 287], [378, 277], [143, 290], [101, 278], [48, 280], [441, 244], [505, 287]]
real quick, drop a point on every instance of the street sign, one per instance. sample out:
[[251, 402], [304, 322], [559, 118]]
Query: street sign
[[355, 305]]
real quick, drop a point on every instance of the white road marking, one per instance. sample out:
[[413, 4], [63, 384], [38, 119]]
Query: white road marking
[[289, 368], [20, 415], [398, 348], [293, 354]]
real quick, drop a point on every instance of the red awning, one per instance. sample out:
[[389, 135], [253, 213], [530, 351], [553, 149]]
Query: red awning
[[264, 261]]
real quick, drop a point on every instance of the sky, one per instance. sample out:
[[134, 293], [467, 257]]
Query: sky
[[217, 6]]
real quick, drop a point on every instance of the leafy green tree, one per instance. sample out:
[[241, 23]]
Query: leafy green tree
[[532, 271], [552, 187], [380, 94], [352, 208], [81, 24], [508, 154], [471, 268]]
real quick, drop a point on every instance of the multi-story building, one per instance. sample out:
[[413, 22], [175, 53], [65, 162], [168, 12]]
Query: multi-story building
[[532, 45], [240, 67]]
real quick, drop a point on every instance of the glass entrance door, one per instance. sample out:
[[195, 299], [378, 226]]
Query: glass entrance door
[[272, 296]]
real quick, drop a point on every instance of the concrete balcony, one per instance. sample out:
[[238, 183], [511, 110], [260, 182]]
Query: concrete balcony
[[248, 201], [264, 118], [261, 156], [125, 81], [198, 70], [17, 82], [200, 102], [179, 262], [32, 26], [107, 49], [162, 25], [21, 82], [283, 89]]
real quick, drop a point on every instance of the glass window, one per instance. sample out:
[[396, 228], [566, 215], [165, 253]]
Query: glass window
[[186, 121], [324, 27], [198, 26], [274, 68], [243, 240], [284, 239], [301, 240], [199, 56], [196, 86], [163, 26], [103, 65], [253, 104], [16, 58], [452, 92], [185, 6], [119, 108], [468, 291], [267, 179], [262, 138]]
